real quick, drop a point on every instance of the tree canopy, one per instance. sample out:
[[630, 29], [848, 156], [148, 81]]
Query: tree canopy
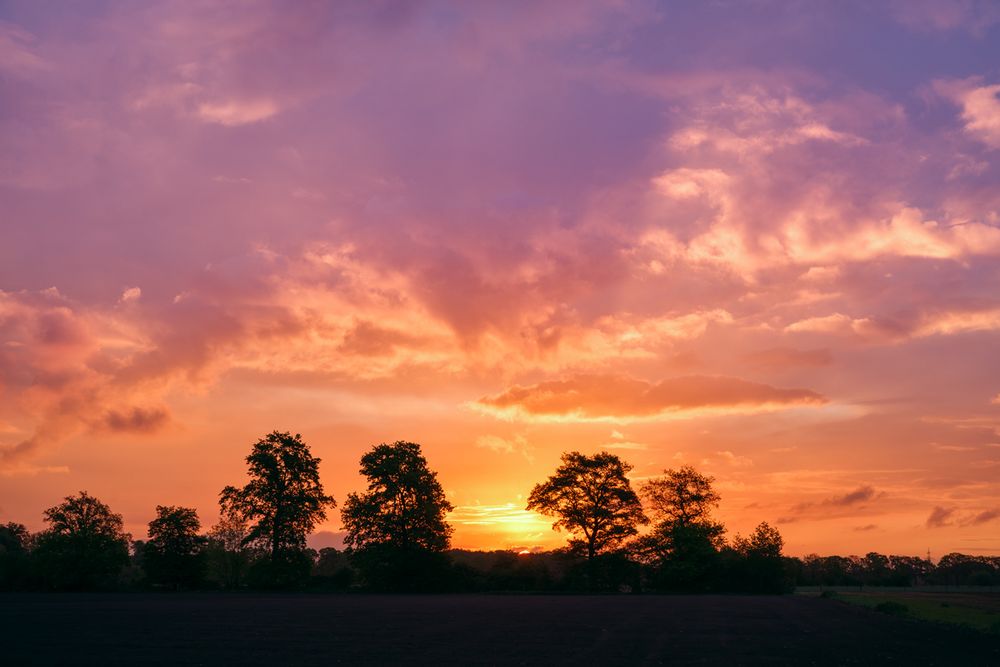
[[404, 507], [681, 497], [85, 545], [174, 554], [284, 499], [684, 543], [592, 498]]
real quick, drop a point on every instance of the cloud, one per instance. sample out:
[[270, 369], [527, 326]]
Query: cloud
[[865, 528], [625, 444], [505, 516], [17, 54], [940, 517], [974, 16], [135, 420], [130, 294], [982, 517], [734, 460], [232, 113], [323, 539], [860, 495], [620, 398], [786, 357], [516, 445], [980, 107], [18, 469], [851, 503]]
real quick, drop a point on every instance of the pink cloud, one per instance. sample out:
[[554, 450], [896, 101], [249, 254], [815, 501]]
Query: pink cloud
[[980, 107]]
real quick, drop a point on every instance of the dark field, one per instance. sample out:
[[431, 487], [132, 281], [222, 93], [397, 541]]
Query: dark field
[[246, 629]]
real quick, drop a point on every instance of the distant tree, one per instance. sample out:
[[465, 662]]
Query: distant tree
[[591, 498], [684, 543], [174, 554], [876, 569], [333, 569], [908, 570], [397, 529], [228, 552], [765, 541], [284, 499], [14, 539], [760, 567], [85, 545], [955, 569]]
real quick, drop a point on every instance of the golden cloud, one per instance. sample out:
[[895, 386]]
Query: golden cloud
[[619, 398]]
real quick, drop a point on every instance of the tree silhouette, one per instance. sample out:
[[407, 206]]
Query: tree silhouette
[[684, 543], [760, 568], [85, 545], [591, 497], [284, 499], [404, 505], [174, 553], [681, 497], [228, 553], [14, 540], [397, 530]]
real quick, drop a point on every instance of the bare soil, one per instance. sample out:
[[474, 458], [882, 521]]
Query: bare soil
[[289, 629]]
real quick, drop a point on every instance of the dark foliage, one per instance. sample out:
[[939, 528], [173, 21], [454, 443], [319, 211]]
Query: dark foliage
[[333, 571], [682, 551], [396, 529], [85, 546], [14, 564], [592, 498], [283, 501], [228, 554], [755, 564], [404, 506], [174, 555], [874, 569]]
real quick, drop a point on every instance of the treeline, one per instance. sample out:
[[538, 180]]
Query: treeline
[[398, 538], [875, 569]]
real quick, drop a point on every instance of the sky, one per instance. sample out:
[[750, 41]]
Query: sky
[[758, 238]]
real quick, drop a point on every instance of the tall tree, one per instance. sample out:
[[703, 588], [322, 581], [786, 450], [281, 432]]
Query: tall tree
[[85, 545], [404, 506], [592, 498], [681, 497], [174, 553], [684, 543], [284, 499]]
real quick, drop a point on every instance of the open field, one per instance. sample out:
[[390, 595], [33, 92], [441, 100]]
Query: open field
[[980, 611], [280, 629]]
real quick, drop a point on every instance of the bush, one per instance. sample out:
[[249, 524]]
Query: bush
[[893, 608]]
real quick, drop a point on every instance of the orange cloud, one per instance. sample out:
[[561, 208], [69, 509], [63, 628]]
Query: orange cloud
[[619, 398]]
